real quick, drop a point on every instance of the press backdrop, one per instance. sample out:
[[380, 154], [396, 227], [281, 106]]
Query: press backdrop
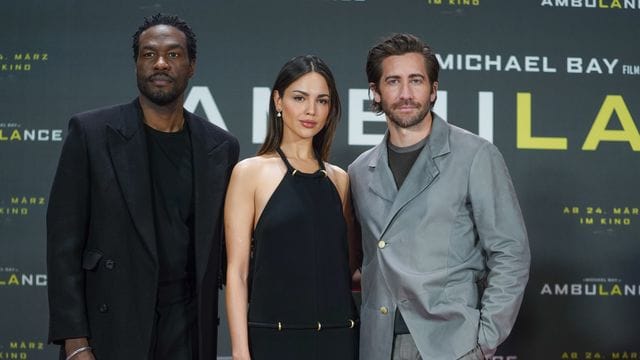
[[553, 83]]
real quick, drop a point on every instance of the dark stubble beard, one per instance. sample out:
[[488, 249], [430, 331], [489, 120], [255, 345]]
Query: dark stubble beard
[[406, 123], [158, 96]]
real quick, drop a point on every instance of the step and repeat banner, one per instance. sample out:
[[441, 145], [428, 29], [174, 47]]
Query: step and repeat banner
[[555, 84]]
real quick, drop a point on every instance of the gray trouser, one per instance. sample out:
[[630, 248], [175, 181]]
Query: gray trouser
[[404, 348]]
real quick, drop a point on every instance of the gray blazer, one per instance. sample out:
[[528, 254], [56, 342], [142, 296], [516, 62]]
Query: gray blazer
[[449, 248]]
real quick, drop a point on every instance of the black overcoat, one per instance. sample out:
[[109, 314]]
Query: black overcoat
[[101, 244]]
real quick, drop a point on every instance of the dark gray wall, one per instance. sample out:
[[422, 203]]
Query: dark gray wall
[[582, 299]]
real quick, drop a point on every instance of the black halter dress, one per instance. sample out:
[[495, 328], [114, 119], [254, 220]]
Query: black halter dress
[[300, 294]]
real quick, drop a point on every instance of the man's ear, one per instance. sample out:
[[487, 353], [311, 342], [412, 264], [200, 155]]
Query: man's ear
[[434, 91], [192, 68], [374, 90]]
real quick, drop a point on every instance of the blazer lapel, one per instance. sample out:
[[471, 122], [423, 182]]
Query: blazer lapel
[[424, 171], [382, 182], [128, 149], [209, 177]]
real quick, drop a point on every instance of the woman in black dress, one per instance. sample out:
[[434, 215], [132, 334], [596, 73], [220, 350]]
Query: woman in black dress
[[288, 288]]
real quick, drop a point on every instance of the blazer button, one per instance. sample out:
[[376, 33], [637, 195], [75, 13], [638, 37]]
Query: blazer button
[[104, 308], [384, 310], [382, 244], [109, 264]]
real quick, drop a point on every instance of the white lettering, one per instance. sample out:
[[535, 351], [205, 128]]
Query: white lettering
[[574, 65], [512, 64], [56, 135], [476, 66], [260, 114], [201, 94], [593, 66], [485, 114], [447, 63], [531, 63], [488, 62], [358, 116], [43, 135], [41, 280], [610, 64]]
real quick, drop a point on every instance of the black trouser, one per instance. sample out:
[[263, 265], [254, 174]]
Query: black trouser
[[175, 323]]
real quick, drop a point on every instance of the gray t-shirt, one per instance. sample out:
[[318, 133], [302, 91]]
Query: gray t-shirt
[[401, 160]]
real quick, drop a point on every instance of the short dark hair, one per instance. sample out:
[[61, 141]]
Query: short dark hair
[[399, 44], [291, 71], [171, 20]]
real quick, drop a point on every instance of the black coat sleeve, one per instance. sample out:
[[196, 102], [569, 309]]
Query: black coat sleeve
[[68, 217]]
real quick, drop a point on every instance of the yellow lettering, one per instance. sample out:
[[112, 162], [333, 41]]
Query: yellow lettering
[[602, 5], [13, 280], [15, 135], [616, 4], [615, 290], [599, 132], [601, 291], [524, 138], [2, 137]]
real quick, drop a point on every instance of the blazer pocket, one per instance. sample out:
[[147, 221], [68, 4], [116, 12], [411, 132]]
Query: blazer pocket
[[90, 259]]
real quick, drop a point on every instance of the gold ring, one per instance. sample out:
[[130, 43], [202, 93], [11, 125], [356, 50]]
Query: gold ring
[[294, 172], [319, 326]]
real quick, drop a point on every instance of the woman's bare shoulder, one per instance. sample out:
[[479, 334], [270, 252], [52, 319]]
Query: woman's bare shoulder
[[338, 176], [256, 165]]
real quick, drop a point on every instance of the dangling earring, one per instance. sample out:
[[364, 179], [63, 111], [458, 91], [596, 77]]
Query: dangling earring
[[279, 114]]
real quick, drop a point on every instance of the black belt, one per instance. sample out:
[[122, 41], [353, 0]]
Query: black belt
[[349, 324]]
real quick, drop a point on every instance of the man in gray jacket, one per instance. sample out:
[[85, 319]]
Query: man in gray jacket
[[446, 256]]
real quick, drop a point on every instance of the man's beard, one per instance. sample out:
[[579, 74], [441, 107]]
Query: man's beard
[[407, 121], [160, 97]]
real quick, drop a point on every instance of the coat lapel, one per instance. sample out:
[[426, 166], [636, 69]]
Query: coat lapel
[[128, 149], [423, 172], [209, 177], [382, 182]]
